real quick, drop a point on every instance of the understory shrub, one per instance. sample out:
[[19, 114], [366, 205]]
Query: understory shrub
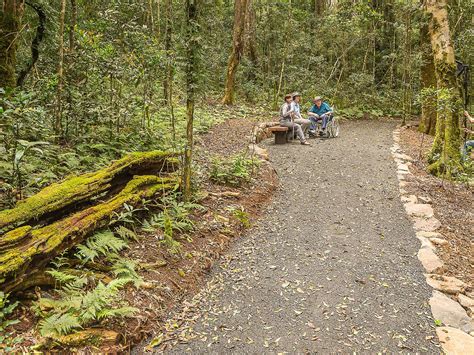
[[233, 171]]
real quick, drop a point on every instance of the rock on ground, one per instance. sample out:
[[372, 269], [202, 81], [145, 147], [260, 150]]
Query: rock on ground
[[447, 284], [450, 312], [455, 341]]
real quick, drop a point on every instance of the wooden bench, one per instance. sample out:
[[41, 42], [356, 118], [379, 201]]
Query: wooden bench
[[280, 134]]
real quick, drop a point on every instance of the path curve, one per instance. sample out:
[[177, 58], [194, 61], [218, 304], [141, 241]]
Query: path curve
[[331, 266]]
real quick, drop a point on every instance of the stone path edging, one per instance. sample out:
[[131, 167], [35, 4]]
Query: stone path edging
[[451, 303]]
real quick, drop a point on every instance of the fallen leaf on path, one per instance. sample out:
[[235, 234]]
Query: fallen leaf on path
[[154, 342]]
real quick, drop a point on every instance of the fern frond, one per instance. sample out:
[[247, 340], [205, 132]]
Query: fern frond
[[117, 312], [85, 253], [61, 277], [126, 269], [126, 234], [101, 243], [58, 324]]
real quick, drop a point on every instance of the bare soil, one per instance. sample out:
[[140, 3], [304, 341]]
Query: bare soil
[[453, 204]]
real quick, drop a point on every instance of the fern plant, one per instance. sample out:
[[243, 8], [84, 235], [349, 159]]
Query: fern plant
[[233, 171], [76, 309], [126, 269], [179, 212], [100, 244], [174, 217]]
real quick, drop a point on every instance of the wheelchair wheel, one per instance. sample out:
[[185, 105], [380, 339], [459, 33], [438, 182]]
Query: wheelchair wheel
[[333, 129]]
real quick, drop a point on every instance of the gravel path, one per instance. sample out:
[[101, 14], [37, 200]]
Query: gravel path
[[331, 267]]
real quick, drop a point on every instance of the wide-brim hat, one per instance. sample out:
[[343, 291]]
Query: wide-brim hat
[[318, 98], [295, 94], [288, 96]]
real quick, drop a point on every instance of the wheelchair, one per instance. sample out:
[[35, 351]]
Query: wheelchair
[[332, 128]]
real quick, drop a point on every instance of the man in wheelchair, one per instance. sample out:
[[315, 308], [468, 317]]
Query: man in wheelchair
[[319, 112]]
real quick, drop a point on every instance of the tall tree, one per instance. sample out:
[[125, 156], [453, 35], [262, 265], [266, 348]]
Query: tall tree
[[238, 43], [168, 38], [445, 153], [10, 22], [40, 30], [428, 84], [59, 94], [191, 53], [319, 7], [251, 39]]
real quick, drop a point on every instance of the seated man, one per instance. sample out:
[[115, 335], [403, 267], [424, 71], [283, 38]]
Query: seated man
[[320, 111]]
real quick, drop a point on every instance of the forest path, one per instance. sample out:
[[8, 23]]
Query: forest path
[[331, 266]]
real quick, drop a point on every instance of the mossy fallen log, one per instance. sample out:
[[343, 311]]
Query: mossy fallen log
[[25, 250], [84, 188]]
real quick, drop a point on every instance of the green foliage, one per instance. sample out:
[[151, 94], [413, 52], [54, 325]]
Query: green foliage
[[174, 217], [7, 340], [126, 269], [242, 216], [126, 234], [233, 171], [173, 245], [100, 244], [81, 304], [127, 215]]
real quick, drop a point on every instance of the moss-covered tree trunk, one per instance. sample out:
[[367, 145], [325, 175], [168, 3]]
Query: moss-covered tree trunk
[[428, 84], [64, 214], [445, 155], [238, 43], [10, 20]]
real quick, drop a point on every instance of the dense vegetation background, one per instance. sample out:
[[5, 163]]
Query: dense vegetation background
[[83, 82], [113, 78]]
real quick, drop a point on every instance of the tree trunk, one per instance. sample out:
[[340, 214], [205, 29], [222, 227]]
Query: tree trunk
[[24, 250], [428, 84], [72, 27], [40, 30], [251, 39], [63, 215], [168, 42], [445, 155], [407, 69], [59, 108], [10, 21], [238, 43], [191, 51], [319, 7]]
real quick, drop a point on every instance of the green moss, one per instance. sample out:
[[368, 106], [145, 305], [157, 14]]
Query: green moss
[[79, 188], [445, 155], [61, 235], [15, 235]]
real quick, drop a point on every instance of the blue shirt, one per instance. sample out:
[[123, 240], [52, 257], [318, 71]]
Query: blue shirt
[[324, 108]]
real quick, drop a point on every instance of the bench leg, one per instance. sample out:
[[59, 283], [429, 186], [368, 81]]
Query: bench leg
[[280, 137]]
